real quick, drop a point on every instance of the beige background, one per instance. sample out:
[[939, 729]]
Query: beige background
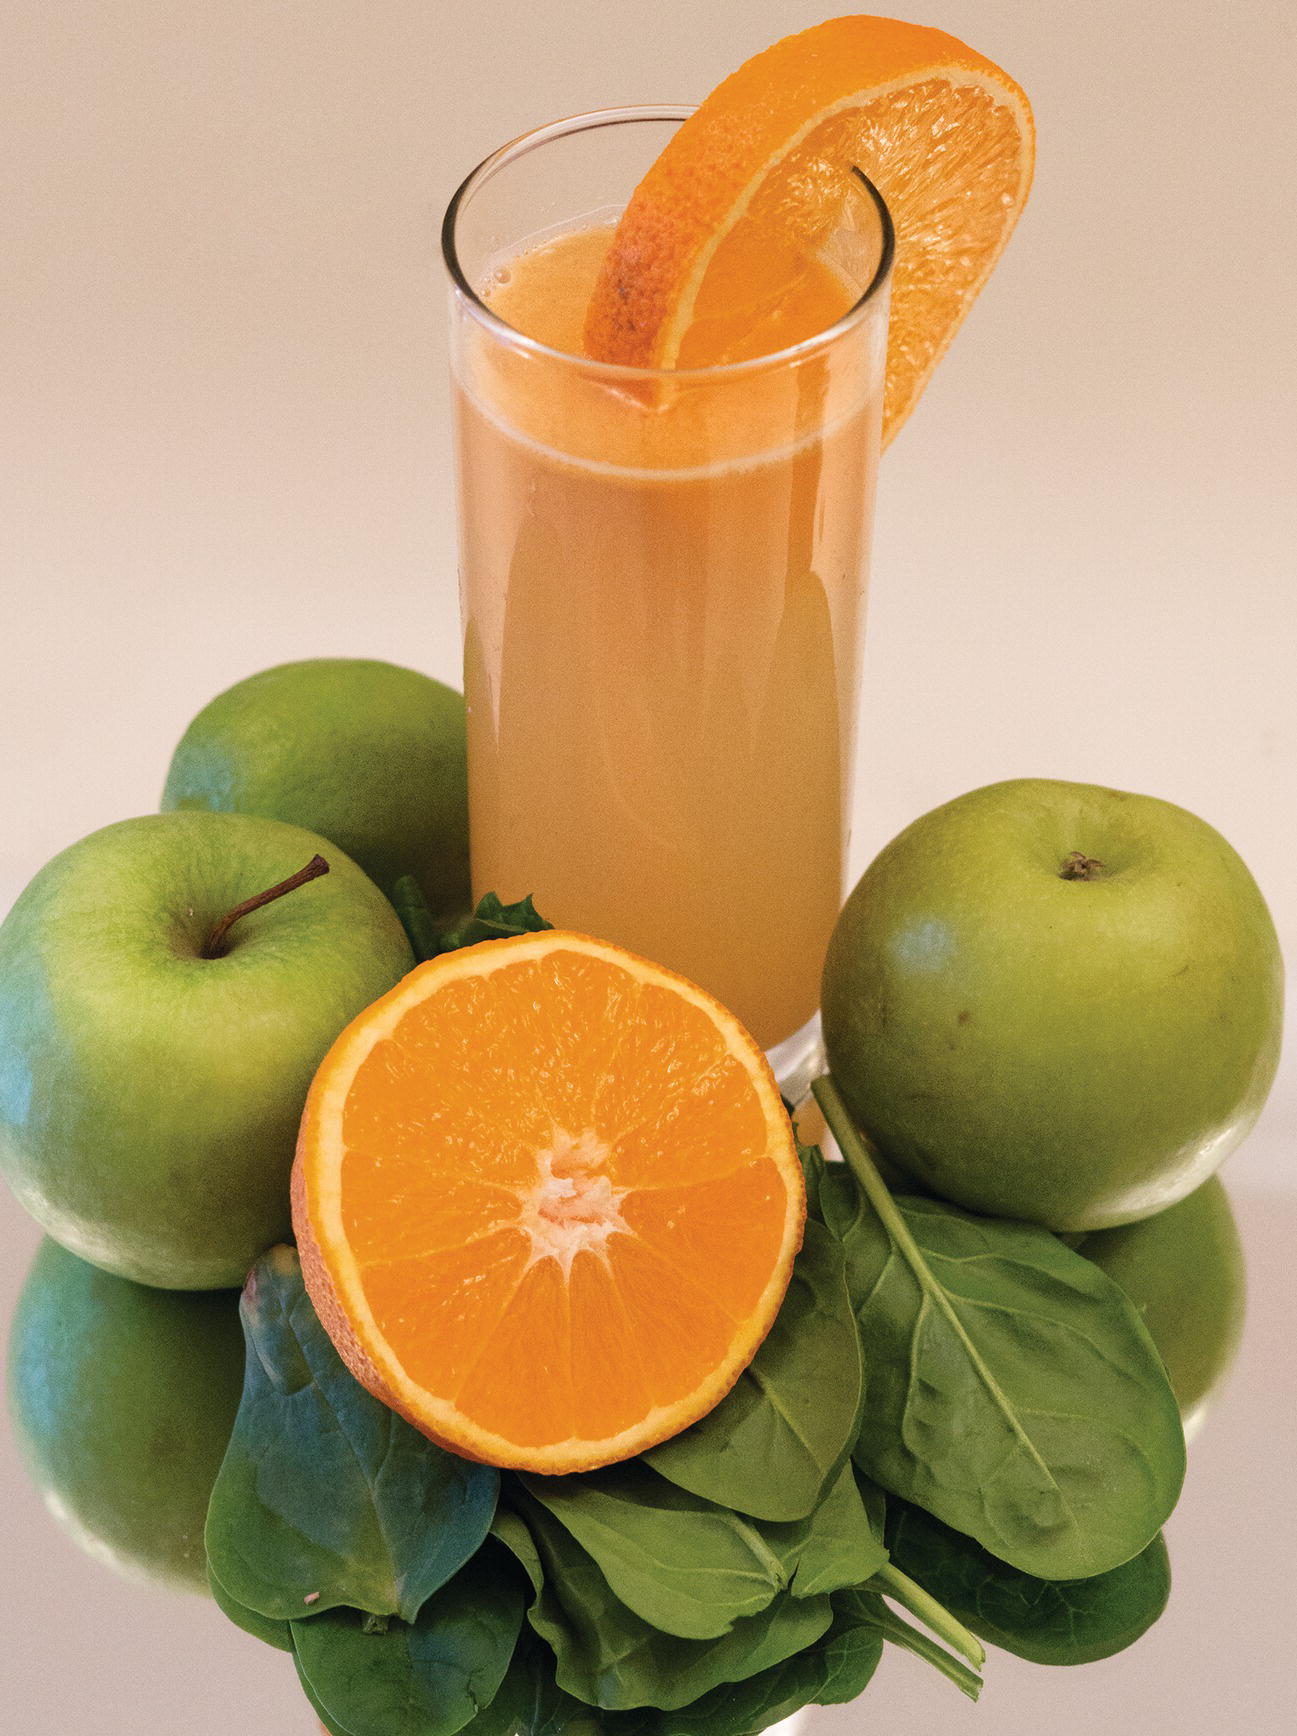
[[225, 443]]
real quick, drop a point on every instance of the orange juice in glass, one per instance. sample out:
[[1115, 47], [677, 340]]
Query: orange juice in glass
[[663, 582]]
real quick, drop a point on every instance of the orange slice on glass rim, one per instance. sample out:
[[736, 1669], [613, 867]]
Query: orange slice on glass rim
[[547, 1200], [717, 249]]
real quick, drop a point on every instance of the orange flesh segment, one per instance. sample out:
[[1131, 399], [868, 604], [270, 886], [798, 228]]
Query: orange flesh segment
[[781, 296], [752, 187], [554, 1196]]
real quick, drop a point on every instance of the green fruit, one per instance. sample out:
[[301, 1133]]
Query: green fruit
[[1055, 1002], [369, 755], [123, 1399], [149, 1095], [1183, 1269]]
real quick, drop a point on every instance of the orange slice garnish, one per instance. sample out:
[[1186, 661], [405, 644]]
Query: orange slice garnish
[[724, 242], [547, 1200]]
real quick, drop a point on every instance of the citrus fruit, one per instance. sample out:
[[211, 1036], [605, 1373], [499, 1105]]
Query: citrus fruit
[[369, 755], [547, 1201], [734, 218], [122, 1400], [1184, 1271]]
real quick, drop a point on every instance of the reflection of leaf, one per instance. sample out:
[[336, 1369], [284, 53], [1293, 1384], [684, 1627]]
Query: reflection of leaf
[[610, 1657], [772, 1444], [1013, 1390], [426, 1679], [1048, 1621], [325, 1494]]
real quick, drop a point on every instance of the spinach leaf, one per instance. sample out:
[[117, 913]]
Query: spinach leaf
[[837, 1547], [271, 1633], [610, 1657], [326, 1497], [888, 1580], [833, 1669], [1074, 1621], [811, 1159], [493, 920], [693, 1568], [685, 1565], [874, 1502], [868, 1608], [430, 1678], [531, 1703], [421, 930], [772, 1445], [1013, 1390], [330, 1725]]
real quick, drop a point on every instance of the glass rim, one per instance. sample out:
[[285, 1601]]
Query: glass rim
[[590, 122]]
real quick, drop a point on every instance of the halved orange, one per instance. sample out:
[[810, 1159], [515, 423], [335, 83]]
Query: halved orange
[[547, 1200], [721, 251]]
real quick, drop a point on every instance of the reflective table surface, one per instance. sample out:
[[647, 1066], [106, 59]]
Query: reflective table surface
[[87, 1652]]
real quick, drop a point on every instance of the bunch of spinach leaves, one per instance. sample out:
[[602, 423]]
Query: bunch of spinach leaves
[[951, 1417]]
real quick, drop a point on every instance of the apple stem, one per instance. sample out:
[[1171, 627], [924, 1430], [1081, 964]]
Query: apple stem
[[1079, 866], [214, 946]]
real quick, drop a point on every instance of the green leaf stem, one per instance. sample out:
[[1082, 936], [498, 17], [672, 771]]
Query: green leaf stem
[[868, 1606], [1073, 1621]]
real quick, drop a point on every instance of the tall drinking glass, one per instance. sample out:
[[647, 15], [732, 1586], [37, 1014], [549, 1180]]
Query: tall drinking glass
[[663, 583]]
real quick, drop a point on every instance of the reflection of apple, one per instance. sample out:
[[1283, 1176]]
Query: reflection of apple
[[1183, 1270], [1054, 1001], [150, 1092], [122, 1400]]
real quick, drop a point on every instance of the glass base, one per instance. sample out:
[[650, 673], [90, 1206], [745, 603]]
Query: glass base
[[798, 1060]]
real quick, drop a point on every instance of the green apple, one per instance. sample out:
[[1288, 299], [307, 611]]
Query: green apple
[[123, 1399], [367, 754], [1183, 1270], [1056, 1002], [149, 1091]]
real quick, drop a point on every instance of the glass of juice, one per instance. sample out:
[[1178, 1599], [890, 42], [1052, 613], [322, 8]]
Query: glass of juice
[[663, 583]]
